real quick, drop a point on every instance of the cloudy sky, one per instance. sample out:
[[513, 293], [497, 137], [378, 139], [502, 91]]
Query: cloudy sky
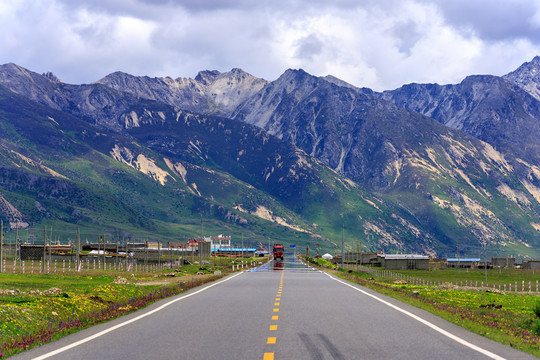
[[380, 44]]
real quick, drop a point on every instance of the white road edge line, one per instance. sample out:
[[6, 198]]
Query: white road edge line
[[425, 322], [90, 338]]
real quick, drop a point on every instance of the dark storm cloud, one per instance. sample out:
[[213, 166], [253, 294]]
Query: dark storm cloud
[[494, 20], [309, 47], [373, 43], [407, 35]]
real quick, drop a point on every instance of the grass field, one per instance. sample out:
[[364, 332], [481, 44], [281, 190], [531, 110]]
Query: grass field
[[36, 308], [511, 318], [494, 276]]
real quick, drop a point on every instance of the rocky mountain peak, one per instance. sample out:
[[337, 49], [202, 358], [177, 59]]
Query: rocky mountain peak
[[207, 77], [296, 74], [32, 85], [336, 81], [527, 77], [49, 75]]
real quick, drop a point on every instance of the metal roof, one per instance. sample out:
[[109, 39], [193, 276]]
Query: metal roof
[[462, 260], [405, 257]]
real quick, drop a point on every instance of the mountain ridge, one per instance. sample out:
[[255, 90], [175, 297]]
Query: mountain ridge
[[413, 182]]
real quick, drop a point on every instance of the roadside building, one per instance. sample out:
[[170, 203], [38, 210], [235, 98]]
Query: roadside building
[[503, 262], [35, 252], [219, 242], [246, 252], [531, 264], [465, 263], [404, 261]]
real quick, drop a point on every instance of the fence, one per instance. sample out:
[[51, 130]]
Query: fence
[[516, 286], [63, 267]]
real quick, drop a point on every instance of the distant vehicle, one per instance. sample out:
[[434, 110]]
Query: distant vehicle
[[278, 252]]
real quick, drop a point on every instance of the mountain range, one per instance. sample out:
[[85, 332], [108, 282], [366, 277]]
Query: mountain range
[[304, 160]]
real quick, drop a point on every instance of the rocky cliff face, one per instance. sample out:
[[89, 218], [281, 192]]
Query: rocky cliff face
[[211, 92], [351, 130], [490, 108], [527, 77]]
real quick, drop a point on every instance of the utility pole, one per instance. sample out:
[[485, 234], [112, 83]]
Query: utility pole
[[17, 242], [242, 247], [127, 253], [50, 246], [485, 261], [145, 254], [201, 244], [342, 245], [78, 248], [104, 239], [1, 243], [458, 260], [44, 248], [358, 254]]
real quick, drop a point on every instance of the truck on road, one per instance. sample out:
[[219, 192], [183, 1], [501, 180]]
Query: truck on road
[[278, 252]]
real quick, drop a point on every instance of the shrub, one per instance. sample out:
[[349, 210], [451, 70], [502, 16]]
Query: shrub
[[536, 327], [536, 309]]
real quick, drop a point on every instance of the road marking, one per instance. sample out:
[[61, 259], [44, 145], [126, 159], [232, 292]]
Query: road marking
[[425, 322], [101, 333], [272, 340]]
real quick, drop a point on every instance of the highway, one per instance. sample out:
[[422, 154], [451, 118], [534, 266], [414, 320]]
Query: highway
[[276, 311]]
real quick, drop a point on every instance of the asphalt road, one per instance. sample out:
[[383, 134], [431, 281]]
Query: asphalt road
[[287, 312]]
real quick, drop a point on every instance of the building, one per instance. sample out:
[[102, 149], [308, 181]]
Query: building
[[465, 263], [531, 264], [360, 258], [219, 242], [500, 262], [237, 252], [404, 261]]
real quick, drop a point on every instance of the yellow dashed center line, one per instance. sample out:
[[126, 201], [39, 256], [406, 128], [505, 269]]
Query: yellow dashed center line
[[273, 327]]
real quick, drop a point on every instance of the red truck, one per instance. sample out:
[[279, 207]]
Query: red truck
[[278, 252]]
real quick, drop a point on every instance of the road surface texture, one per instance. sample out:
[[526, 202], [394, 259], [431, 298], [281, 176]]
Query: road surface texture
[[282, 310]]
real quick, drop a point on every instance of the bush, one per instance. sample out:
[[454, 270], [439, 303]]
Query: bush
[[536, 327], [536, 309]]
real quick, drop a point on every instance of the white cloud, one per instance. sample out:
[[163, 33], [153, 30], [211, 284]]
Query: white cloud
[[376, 44]]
